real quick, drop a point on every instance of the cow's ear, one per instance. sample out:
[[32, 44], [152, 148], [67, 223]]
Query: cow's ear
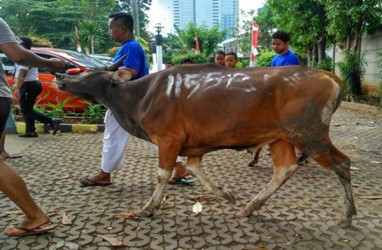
[[121, 76]]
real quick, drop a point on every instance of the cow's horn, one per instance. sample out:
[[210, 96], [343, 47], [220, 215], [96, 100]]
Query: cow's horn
[[115, 66]]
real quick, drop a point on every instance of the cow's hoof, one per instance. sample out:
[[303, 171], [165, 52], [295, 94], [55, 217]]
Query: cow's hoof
[[229, 195], [252, 163], [143, 213], [343, 223], [243, 213]]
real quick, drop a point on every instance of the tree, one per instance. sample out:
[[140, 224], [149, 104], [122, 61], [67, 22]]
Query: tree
[[244, 34], [92, 28], [88, 32], [20, 17], [208, 38], [348, 20], [143, 6], [183, 43], [263, 18], [309, 38], [56, 20], [267, 26]]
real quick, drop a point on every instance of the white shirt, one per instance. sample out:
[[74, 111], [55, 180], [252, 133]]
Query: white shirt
[[32, 74]]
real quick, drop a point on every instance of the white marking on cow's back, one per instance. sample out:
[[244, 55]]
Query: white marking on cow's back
[[170, 83], [265, 78], [238, 77], [178, 85], [197, 82], [192, 81]]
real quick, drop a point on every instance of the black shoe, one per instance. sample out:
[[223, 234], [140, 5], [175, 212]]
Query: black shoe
[[55, 125], [30, 134]]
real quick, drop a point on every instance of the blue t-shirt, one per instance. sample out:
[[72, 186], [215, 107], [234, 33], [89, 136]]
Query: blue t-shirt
[[136, 57], [286, 59]]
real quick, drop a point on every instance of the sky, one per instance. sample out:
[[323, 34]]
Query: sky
[[251, 4], [157, 14]]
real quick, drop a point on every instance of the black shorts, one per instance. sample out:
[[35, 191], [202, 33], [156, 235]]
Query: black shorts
[[5, 109]]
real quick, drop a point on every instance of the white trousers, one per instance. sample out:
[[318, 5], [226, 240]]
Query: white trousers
[[115, 140]]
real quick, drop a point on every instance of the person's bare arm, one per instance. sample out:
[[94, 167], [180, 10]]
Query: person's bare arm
[[133, 72], [19, 83], [19, 55]]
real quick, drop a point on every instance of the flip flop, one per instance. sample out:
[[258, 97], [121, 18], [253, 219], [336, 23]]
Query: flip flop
[[86, 182], [13, 156], [21, 231], [184, 181]]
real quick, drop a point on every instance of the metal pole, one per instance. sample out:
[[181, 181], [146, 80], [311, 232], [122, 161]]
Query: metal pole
[[158, 43], [136, 17]]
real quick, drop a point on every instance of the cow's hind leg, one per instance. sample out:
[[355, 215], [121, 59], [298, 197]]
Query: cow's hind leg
[[330, 157], [194, 165], [284, 165]]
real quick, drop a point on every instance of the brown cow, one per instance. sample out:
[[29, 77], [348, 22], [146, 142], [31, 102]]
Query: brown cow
[[193, 110]]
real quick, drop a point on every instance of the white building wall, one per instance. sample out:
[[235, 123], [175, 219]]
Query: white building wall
[[371, 44]]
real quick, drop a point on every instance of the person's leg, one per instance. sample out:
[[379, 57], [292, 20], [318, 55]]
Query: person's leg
[[2, 144], [180, 171], [114, 146], [13, 186], [15, 189], [6, 154], [26, 106], [34, 89]]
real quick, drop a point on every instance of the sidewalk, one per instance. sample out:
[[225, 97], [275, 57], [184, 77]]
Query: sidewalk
[[301, 215]]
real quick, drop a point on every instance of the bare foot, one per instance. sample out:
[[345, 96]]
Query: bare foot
[[35, 222], [100, 179]]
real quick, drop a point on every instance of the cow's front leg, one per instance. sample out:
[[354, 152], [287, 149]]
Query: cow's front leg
[[155, 200], [167, 157], [193, 164], [284, 164]]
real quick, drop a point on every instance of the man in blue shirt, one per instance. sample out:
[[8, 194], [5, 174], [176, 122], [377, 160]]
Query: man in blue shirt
[[280, 44], [121, 26]]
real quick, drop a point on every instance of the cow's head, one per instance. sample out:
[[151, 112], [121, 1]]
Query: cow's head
[[93, 84]]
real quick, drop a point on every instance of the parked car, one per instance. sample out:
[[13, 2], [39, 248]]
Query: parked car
[[105, 59], [50, 92]]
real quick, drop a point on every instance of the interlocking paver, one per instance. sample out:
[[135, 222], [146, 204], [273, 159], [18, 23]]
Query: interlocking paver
[[300, 215]]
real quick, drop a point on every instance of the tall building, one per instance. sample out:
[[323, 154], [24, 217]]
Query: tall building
[[224, 13]]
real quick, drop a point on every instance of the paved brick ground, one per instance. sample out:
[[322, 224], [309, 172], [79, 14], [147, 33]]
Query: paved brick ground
[[301, 215]]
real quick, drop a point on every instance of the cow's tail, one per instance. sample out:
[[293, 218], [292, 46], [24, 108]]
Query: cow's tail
[[341, 94]]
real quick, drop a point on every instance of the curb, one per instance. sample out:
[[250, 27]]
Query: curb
[[361, 107], [64, 127]]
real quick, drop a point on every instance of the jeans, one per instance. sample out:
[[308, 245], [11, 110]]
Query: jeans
[[28, 94]]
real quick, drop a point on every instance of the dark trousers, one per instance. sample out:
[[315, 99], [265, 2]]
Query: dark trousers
[[28, 94], [5, 109]]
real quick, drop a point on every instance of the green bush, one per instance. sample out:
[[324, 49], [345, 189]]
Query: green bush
[[196, 58], [57, 110], [93, 113], [352, 71], [244, 62], [265, 58], [326, 64]]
